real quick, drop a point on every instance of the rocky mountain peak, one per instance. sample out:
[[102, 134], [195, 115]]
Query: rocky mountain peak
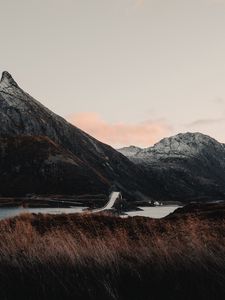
[[129, 151], [187, 138], [188, 142], [7, 80], [172, 151], [187, 166]]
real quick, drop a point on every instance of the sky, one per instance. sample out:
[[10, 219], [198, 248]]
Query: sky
[[129, 72]]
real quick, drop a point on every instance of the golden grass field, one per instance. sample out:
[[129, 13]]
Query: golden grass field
[[106, 257]]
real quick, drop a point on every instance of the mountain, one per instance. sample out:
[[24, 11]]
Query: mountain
[[35, 164], [22, 115], [130, 151], [186, 167], [40, 152]]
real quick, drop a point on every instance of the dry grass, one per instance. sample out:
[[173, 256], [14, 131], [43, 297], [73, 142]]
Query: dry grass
[[105, 257]]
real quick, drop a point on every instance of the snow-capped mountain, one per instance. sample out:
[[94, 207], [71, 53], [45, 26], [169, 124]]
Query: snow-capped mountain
[[179, 146], [22, 115], [186, 166]]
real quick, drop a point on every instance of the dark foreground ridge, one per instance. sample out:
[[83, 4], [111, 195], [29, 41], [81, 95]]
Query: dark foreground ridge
[[106, 257]]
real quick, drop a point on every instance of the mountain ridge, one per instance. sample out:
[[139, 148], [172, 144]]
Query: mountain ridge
[[171, 143], [188, 166], [184, 167], [21, 114]]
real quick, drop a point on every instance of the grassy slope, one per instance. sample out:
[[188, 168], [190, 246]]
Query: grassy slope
[[105, 257]]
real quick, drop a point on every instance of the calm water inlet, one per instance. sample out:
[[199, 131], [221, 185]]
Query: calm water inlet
[[152, 212]]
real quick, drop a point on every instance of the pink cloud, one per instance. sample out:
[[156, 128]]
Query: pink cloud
[[119, 134]]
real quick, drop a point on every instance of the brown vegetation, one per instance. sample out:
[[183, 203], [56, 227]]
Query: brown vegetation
[[106, 257]]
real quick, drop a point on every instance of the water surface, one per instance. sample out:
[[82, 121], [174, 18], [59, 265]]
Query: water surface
[[152, 212], [8, 212], [156, 212]]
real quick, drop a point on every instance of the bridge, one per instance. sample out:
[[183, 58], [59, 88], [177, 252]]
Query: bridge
[[113, 198]]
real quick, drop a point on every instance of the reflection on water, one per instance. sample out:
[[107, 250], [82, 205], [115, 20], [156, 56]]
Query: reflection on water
[[152, 212]]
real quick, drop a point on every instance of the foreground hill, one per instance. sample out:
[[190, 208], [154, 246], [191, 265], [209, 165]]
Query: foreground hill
[[187, 166], [94, 256], [20, 114]]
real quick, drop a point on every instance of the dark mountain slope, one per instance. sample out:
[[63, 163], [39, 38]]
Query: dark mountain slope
[[30, 164], [20, 114]]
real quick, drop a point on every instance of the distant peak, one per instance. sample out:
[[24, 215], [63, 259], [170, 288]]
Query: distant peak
[[130, 147], [190, 136], [129, 151], [7, 80], [184, 143], [134, 147]]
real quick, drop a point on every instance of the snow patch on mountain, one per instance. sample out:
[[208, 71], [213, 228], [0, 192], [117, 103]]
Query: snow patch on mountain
[[182, 145]]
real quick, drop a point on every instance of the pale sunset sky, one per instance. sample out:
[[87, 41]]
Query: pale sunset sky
[[125, 71]]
